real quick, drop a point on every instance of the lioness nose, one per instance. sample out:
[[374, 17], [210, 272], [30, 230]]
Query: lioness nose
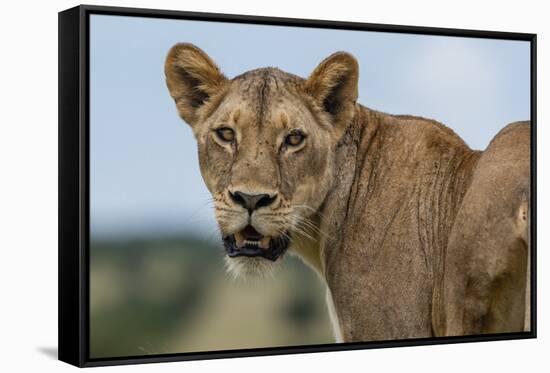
[[252, 202]]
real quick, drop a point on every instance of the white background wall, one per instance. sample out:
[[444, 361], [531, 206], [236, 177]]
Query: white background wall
[[28, 184]]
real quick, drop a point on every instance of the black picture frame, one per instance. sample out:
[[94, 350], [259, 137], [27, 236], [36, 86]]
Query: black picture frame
[[74, 186]]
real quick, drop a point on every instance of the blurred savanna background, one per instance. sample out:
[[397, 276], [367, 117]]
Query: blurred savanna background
[[171, 294], [157, 278]]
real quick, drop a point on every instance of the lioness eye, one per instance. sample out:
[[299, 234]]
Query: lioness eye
[[225, 134], [295, 138]]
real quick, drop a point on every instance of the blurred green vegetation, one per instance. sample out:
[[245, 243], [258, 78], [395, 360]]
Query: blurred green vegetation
[[170, 295]]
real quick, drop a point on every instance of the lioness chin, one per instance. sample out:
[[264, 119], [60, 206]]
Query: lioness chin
[[414, 233]]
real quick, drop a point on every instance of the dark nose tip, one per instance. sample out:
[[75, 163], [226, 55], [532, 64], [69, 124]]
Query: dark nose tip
[[252, 202]]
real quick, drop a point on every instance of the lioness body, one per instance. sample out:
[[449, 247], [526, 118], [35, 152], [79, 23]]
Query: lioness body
[[414, 233]]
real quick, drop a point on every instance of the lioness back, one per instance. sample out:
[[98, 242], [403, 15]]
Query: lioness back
[[487, 273]]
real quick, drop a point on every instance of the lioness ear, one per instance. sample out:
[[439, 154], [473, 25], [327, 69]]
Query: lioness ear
[[333, 85], [192, 79]]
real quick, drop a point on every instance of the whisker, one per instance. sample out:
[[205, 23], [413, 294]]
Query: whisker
[[307, 225], [304, 234], [300, 229]]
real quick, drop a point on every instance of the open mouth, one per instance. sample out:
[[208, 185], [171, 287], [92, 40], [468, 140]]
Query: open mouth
[[249, 242]]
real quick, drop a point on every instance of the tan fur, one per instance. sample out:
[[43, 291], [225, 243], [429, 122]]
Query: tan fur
[[414, 233]]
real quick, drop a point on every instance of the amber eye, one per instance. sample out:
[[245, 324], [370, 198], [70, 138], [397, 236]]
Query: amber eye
[[295, 138], [225, 134]]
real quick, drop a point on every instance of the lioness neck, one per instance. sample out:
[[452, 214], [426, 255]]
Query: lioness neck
[[398, 184], [326, 222]]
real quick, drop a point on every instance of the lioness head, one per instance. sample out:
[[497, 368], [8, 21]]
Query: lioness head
[[266, 142]]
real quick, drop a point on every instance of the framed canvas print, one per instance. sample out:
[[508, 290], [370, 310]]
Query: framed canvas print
[[234, 186]]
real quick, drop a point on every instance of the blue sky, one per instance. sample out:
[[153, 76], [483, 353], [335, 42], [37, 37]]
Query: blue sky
[[144, 169]]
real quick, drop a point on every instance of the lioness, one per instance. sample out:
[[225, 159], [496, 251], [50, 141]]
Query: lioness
[[414, 233]]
